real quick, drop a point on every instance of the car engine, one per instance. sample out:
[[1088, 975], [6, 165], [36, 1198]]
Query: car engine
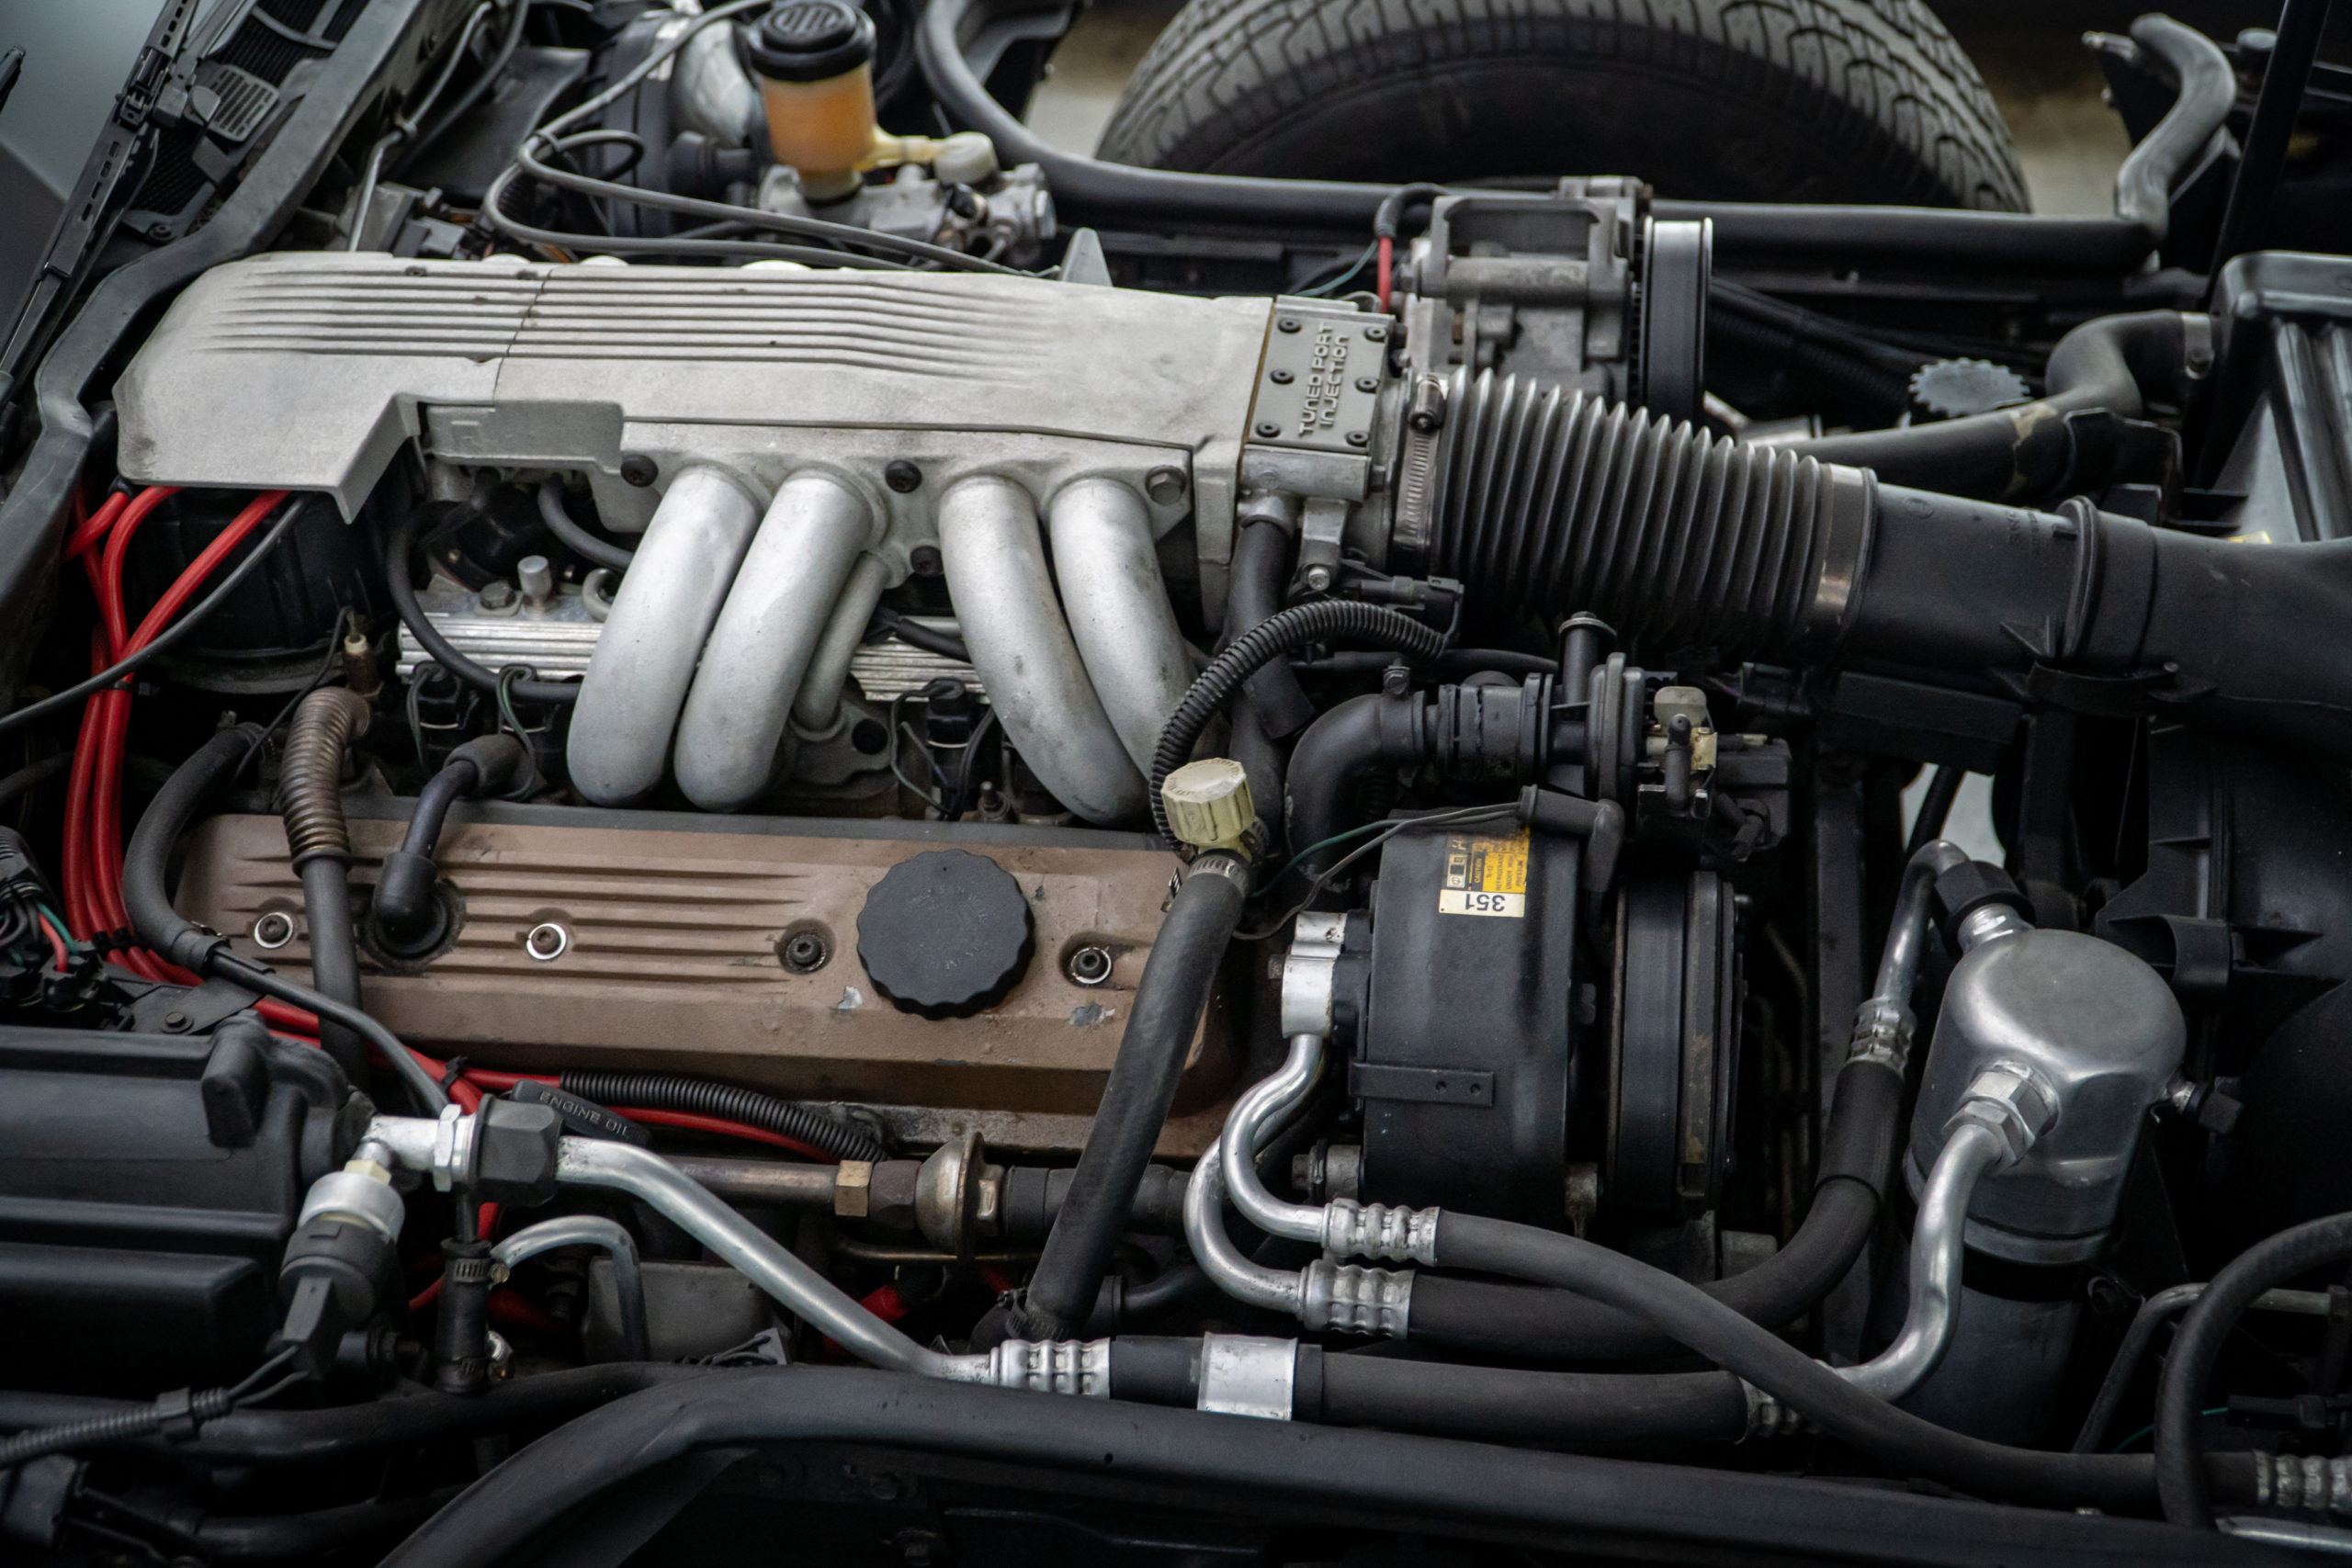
[[732, 823]]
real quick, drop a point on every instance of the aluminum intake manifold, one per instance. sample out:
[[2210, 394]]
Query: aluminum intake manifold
[[807, 430]]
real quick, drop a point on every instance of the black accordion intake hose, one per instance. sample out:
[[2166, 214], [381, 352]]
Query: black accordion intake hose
[[1547, 501], [700, 1097], [1271, 640]]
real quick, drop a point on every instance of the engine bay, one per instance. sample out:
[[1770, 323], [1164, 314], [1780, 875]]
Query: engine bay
[[732, 822]]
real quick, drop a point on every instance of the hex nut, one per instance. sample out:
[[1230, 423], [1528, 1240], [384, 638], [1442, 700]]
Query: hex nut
[[1164, 485]]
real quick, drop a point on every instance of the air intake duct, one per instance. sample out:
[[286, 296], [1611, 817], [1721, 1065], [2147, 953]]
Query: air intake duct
[[1547, 502]]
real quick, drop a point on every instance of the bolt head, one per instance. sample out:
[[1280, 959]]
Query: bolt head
[[1268, 429], [902, 476], [1287, 324], [1358, 438], [1367, 384], [1376, 334], [1318, 578], [1165, 486], [638, 469], [804, 952], [176, 1022], [497, 594], [923, 561], [1397, 681], [1279, 377]]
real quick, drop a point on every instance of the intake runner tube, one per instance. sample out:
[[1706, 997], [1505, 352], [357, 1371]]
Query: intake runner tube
[[1552, 503], [734, 729], [645, 657], [1022, 649], [1119, 611]]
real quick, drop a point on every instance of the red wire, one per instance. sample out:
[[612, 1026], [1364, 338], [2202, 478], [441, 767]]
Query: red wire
[[687, 1121], [56, 943], [1388, 256]]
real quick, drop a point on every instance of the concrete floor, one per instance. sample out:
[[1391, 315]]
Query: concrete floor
[[2032, 57]]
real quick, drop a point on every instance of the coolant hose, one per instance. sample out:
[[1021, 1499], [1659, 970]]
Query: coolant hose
[[1263, 645], [309, 794], [2209, 90], [1260, 567], [1857, 1147], [2027, 452], [1336, 751], [2181, 1477], [409, 918], [1168, 1006], [185, 796], [399, 544], [1693, 1318]]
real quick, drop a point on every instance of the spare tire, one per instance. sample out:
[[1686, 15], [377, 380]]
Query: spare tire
[[1727, 100]]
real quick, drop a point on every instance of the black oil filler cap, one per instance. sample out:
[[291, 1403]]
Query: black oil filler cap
[[945, 934]]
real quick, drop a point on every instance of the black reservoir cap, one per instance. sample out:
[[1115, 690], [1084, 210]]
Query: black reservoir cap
[[812, 40], [945, 934]]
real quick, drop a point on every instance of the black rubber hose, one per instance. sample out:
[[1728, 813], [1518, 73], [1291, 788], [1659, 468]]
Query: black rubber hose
[[32, 775], [519, 13], [310, 794], [192, 787], [1503, 1404], [272, 1438], [1231, 1465], [1262, 645], [408, 917], [916, 635], [399, 544], [1697, 1320], [575, 538], [1885, 389], [1261, 569], [701, 1097], [106, 1431], [2208, 90], [2181, 1479], [1168, 1002], [2025, 453], [1857, 1144], [1088, 191], [312, 1535], [1935, 809], [1336, 751]]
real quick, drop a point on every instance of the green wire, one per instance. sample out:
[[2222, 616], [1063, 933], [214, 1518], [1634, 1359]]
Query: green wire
[[1275, 880], [58, 920], [2217, 1410]]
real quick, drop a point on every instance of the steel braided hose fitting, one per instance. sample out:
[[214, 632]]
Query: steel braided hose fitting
[[1547, 502], [310, 780]]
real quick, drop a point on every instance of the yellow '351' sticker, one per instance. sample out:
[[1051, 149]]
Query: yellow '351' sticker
[[1485, 875]]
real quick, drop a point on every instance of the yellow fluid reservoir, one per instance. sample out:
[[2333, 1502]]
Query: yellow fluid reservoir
[[815, 60]]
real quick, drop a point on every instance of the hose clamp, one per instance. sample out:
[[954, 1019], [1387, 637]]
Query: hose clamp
[[1248, 1374], [1353, 1300], [1848, 514], [1059, 1366], [1766, 1417], [1380, 1230], [1219, 863]]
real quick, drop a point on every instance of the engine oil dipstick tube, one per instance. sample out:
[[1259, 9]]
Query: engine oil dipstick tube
[[815, 60]]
